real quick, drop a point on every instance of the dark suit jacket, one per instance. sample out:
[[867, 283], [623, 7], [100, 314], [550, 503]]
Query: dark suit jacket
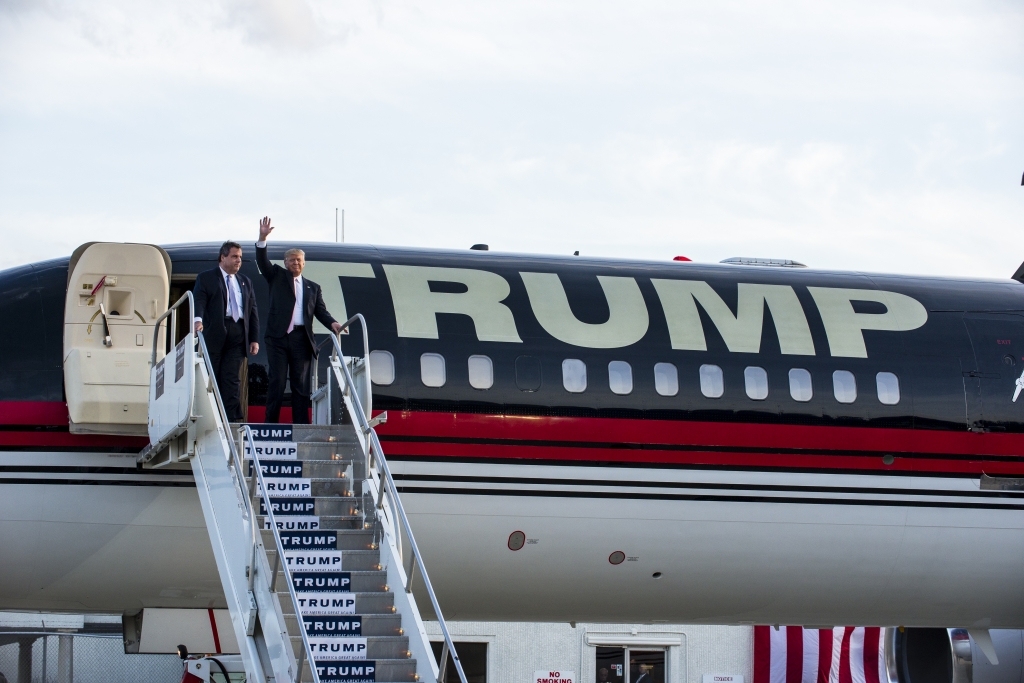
[[282, 300], [211, 297]]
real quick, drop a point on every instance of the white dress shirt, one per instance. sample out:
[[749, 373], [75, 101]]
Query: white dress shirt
[[297, 311], [233, 290]]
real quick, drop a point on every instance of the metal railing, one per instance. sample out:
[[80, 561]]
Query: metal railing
[[249, 512], [172, 312], [235, 462], [150, 451], [387, 488]]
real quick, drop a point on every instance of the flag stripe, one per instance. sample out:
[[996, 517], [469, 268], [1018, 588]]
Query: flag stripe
[[857, 655], [824, 654], [794, 654], [762, 654], [872, 660], [837, 645], [810, 672], [779, 658]]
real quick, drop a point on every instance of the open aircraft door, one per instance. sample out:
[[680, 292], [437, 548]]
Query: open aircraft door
[[115, 292]]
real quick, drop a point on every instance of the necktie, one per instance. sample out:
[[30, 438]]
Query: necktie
[[298, 302], [232, 302]]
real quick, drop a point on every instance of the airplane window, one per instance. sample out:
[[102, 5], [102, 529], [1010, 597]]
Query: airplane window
[[756, 381], [528, 373], [382, 367], [845, 386], [432, 369], [888, 388], [620, 377], [712, 383], [481, 372], [666, 379], [800, 385], [574, 375]]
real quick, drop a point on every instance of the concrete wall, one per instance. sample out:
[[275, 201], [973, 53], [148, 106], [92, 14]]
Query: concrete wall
[[515, 650]]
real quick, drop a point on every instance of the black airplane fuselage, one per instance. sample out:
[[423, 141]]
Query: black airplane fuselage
[[740, 426]]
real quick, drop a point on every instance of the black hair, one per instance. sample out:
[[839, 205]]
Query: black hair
[[226, 248]]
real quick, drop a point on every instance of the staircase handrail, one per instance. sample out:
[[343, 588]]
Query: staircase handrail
[[245, 434], [172, 311], [388, 488], [150, 451], [234, 462]]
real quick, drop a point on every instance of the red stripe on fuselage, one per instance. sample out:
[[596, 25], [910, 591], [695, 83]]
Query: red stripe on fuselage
[[678, 442], [42, 414], [36, 413], [619, 440]]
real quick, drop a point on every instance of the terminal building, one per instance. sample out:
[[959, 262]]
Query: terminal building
[[519, 652]]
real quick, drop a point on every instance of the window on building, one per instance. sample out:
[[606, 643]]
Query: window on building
[[473, 657], [432, 371], [628, 665], [800, 385], [574, 375], [666, 379], [620, 377], [844, 384], [755, 380], [712, 382], [481, 372], [888, 388], [382, 367]]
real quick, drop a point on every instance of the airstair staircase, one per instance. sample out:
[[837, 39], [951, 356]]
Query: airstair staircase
[[314, 550]]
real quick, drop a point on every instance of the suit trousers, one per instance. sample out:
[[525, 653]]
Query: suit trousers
[[227, 364], [289, 357]]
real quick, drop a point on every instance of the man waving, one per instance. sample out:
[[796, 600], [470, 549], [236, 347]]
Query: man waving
[[294, 302]]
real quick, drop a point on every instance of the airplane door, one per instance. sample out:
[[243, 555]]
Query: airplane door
[[998, 341], [115, 292]]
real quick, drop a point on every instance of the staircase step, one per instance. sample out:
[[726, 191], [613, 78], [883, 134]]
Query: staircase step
[[386, 670], [388, 624], [366, 603], [312, 452], [305, 433], [360, 581], [344, 506], [340, 523], [353, 560], [377, 647]]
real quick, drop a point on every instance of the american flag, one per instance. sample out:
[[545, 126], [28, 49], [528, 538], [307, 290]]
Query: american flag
[[793, 654]]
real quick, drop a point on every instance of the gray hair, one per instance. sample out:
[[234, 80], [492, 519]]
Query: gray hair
[[295, 252]]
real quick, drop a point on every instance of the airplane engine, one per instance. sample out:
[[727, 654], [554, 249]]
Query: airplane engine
[[952, 655]]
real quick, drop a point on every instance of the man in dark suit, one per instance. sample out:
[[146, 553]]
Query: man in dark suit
[[226, 315], [294, 303]]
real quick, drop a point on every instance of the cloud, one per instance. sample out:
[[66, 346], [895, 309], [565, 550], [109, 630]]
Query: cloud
[[279, 23], [875, 135]]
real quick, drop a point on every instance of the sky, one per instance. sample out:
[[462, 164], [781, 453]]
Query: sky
[[883, 136]]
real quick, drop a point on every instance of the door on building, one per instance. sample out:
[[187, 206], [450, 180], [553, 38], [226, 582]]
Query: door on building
[[627, 665], [473, 657]]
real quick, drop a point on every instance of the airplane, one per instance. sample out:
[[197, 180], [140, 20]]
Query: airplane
[[575, 438]]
